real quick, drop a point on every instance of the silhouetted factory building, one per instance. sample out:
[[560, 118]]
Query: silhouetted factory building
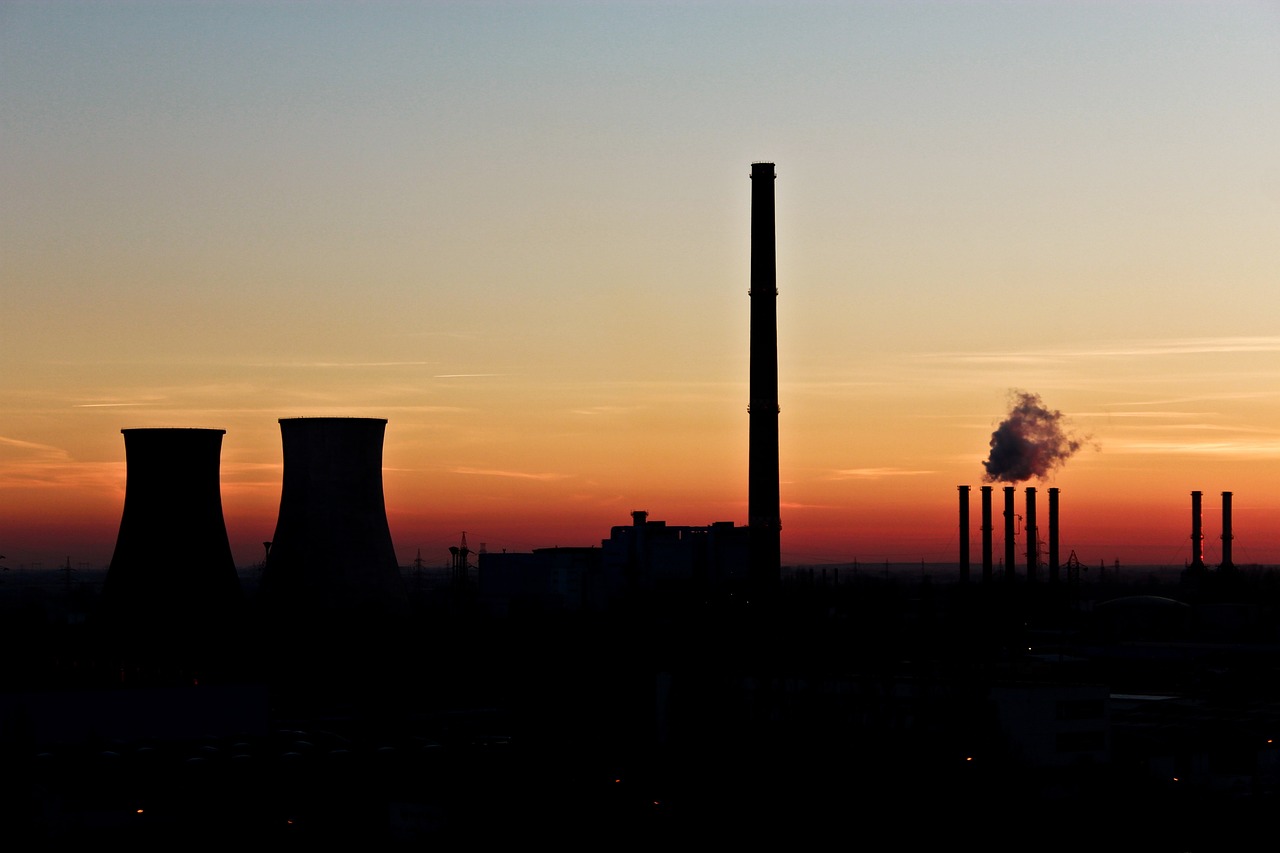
[[639, 557], [546, 579], [649, 554]]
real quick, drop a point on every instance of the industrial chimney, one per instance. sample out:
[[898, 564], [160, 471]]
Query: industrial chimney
[[1009, 532], [1227, 533], [964, 534], [1033, 542], [171, 592], [763, 496], [1053, 535], [1197, 536], [986, 534], [331, 556]]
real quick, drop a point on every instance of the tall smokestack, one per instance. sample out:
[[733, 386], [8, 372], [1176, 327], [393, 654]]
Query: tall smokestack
[[1227, 533], [1008, 533], [1197, 536], [763, 495], [331, 562], [171, 591], [1033, 542], [986, 534], [1053, 535], [964, 534]]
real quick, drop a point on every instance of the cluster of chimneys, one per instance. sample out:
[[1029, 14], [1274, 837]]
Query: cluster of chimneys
[[1033, 537], [1197, 534], [1010, 530]]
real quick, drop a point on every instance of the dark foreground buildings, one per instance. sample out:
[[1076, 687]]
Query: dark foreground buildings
[[640, 692], [1026, 714]]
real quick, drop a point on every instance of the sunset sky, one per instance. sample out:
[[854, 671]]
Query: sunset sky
[[520, 233]]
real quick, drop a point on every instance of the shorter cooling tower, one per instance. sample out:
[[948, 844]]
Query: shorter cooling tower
[[172, 584], [331, 556]]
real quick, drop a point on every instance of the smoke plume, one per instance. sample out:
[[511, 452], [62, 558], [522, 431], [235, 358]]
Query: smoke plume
[[1030, 442]]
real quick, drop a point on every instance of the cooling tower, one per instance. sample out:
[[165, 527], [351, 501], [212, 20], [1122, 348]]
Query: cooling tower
[[331, 556], [172, 585], [763, 495]]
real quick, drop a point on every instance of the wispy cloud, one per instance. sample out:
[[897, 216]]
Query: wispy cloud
[[796, 505], [1200, 398], [994, 358], [1202, 427], [873, 473], [1149, 348], [104, 405], [41, 449], [1143, 415], [521, 475], [1193, 346], [28, 464], [604, 410], [351, 364], [1238, 449]]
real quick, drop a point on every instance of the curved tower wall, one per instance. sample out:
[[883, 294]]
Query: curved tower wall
[[172, 568], [332, 549]]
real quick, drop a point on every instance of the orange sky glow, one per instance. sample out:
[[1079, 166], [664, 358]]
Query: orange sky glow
[[520, 234]]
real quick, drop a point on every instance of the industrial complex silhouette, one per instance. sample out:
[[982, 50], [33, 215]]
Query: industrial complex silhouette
[[672, 682]]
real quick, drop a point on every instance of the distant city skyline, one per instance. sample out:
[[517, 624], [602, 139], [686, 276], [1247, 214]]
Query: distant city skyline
[[520, 234]]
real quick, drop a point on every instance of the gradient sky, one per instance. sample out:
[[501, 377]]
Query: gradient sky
[[520, 233]]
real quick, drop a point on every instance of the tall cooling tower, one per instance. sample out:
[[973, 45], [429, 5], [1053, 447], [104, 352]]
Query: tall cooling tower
[[331, 555], [172, 581]]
